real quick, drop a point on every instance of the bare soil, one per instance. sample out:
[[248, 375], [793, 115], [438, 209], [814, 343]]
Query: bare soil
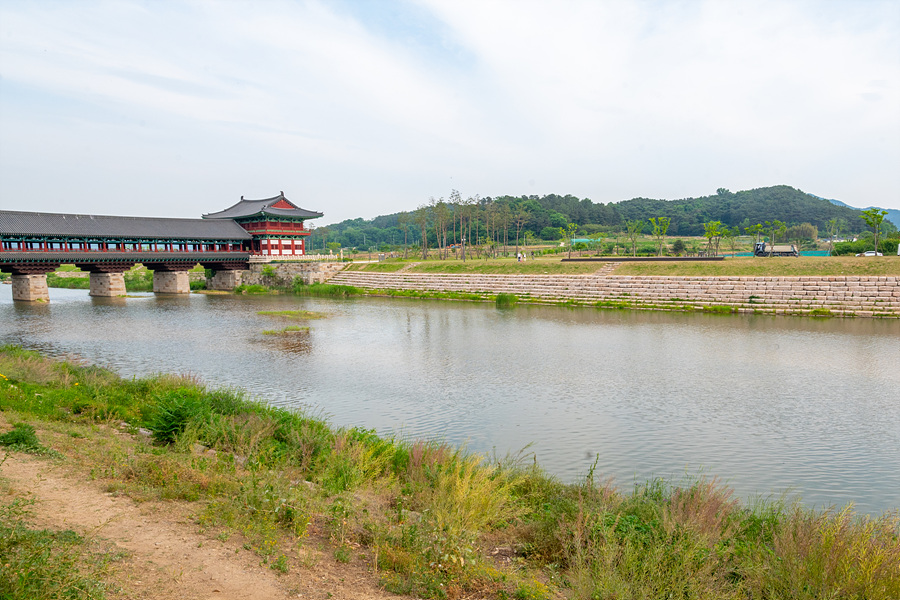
[[167, 556]]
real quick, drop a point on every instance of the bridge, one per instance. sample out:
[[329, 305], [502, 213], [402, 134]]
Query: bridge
[[33, 244]]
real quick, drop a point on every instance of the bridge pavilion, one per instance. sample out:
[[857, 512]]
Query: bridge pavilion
[[33, 244]]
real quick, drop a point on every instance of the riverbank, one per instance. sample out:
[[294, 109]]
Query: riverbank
[[818, 287], [886, 266], [415, 517], [831, 296]]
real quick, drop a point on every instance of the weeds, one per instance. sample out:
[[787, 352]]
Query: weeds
[[251, 289], [300, 288], [42, 563], [22, 438]]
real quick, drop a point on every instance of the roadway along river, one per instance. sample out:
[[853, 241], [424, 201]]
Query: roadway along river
[[771, 405]]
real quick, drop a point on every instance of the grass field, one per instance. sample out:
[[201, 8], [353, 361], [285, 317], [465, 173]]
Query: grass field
[[771, 267], [501, 266], [750, 267]]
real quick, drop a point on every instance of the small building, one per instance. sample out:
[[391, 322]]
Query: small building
[[275, 224]]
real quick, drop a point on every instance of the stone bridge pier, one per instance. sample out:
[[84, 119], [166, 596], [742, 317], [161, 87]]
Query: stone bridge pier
[[226, 275], [225, 279], [107, 280], [29, 281], [171, 277]]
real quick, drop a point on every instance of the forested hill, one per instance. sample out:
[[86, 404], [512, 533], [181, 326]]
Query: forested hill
[[743, 209], [543, 216]]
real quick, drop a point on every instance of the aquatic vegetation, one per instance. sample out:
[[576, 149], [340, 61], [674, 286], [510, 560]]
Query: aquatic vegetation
[[293, 314], [506, 300], [286, 330]]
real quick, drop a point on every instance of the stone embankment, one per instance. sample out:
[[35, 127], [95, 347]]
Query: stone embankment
[[837, 296], [283, 274]]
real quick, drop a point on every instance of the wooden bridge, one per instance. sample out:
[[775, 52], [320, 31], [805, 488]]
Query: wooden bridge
[[33, 244]]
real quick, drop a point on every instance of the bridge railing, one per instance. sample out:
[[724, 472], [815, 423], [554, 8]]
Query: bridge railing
[[261, 258]]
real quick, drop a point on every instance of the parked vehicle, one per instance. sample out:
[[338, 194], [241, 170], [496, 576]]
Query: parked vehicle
[[765, 249], [873, 253]]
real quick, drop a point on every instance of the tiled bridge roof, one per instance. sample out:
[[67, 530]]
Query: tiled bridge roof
[[17, 224]]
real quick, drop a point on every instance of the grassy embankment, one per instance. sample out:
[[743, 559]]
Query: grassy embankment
[[730, 267], [431, 517]]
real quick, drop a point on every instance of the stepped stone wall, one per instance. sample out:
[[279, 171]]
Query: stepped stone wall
[[840, 295]]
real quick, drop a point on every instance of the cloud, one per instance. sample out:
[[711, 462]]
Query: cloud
[[369, 110]]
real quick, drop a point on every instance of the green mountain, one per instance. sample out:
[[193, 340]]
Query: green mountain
[[893, 215], [743, 209]]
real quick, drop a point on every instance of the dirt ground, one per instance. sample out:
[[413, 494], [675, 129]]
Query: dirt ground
[[167, 556]]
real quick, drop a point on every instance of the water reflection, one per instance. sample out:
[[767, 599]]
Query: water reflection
[[767, 403]]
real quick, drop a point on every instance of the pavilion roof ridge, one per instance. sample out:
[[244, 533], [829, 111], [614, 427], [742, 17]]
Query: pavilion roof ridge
[[266, 206]]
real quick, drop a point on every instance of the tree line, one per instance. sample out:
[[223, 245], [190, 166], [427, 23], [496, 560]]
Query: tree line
[[505, 223]]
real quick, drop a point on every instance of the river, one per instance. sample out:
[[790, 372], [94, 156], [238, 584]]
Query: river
[[771, 405]]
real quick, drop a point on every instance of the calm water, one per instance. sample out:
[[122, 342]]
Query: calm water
[[771, 405]]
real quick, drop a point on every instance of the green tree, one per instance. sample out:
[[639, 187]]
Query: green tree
[[519, 220], [755, 230], [775, 228], [731, 235], [873, 218], [678, 247], [403, 222], [421, 218], [805, 232], [633, 230], [660, 227], [571, 228], [712, 231]]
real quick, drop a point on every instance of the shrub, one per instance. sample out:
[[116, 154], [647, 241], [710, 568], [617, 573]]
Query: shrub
[[22, 438], [325, 289], [464, 499], [173, 411], [251, 289]]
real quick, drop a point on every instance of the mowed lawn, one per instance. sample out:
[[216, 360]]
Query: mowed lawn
[[772, 267], [730, 267]]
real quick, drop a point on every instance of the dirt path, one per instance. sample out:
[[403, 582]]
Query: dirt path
[[168, 557]]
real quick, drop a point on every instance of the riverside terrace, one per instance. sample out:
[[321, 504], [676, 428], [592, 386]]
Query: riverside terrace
[[33, 244]]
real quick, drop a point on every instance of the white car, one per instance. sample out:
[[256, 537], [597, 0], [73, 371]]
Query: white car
[[870, 253]]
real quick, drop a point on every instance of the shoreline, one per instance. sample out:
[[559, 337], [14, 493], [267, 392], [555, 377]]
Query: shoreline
[[815, 296]]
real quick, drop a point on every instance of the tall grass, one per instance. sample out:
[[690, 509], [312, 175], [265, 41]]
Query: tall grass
[[300, 288], [506, 300]]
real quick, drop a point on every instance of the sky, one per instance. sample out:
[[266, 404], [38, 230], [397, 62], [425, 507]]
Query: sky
[[369, 107]]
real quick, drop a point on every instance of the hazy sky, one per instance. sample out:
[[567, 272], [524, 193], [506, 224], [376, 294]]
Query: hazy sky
[[361, 108]]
